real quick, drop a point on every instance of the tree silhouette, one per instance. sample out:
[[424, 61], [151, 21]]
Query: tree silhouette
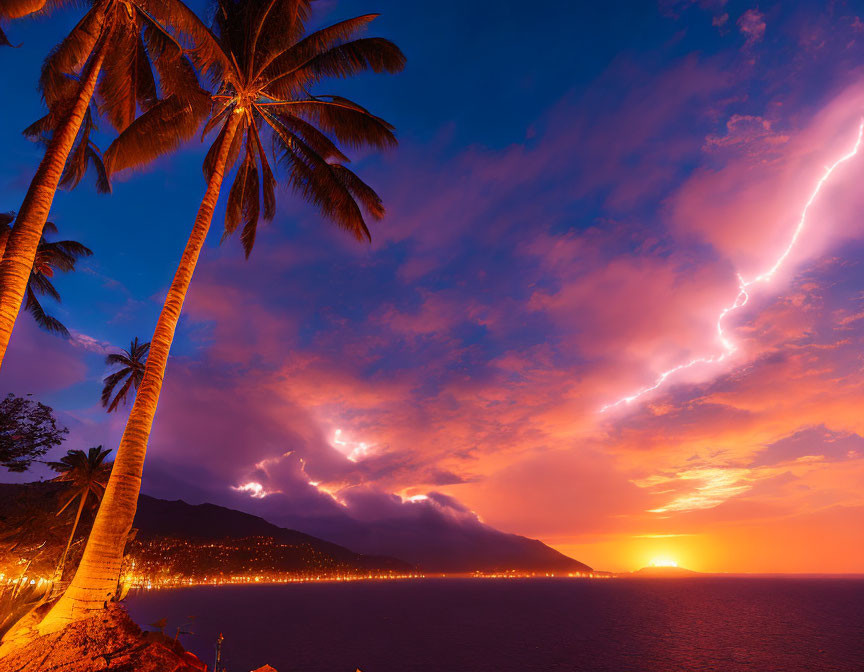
[[132, 361]]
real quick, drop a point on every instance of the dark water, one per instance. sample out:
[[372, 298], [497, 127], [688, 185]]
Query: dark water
[[480, 625]]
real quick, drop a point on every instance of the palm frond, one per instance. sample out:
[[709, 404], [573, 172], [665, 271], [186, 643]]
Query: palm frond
[[16, 9], [160, 130], [45, 321], [205, 50], [343, 60], [121, 395], [233, 152], [145, 83], [244, 198], [268, 182], [177, 75], [322, 145], [343, 119], [76, 164], [42, 127], [71, 249], [109, 383], [41, 285], [116, 91], [70, 55], [118, 358], [362, 192], [313, 44], [284, 26], [103, 182], [312, 177]]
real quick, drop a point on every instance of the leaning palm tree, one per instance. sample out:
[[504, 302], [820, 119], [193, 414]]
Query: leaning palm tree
[[87, 474], [61, 255], [262, 66], [132, 362], [118, 53]]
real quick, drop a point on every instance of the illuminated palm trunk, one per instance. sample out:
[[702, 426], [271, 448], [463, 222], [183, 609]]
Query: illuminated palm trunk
[[20, 249], [96, 580]]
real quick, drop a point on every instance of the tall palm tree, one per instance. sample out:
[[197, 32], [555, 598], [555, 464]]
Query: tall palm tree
[[261, 65], [87, 474], [118, 53], [132, 361], [61, 255]]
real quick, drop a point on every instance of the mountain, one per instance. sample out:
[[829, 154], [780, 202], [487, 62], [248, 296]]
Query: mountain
[[430, 541], [446, 546], [177, 540], [243, 541]]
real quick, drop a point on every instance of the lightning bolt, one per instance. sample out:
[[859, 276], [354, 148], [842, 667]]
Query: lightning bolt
[[743, 296]]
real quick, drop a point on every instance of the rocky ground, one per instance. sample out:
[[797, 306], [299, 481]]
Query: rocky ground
[[110, 641]]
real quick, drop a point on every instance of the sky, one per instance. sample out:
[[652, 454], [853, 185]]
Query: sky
[[575, 195]]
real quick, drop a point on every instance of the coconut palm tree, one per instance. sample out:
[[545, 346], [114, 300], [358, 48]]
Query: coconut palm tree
[[132, 361], [262, 66], [61, 255], [87, 474], [118, 53]]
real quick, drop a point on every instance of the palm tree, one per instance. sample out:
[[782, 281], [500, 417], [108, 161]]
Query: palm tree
[[61, 255], [132, 361], [261, 64], [116, 52], [87, 474]]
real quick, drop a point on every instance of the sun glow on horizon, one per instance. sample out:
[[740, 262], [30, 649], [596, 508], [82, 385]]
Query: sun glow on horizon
[[663, 561]]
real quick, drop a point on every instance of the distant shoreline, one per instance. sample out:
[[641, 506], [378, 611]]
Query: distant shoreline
[[251, 581]]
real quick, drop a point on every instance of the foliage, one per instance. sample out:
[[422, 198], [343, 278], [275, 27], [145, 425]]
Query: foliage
[[132, 361], [84, 153], [18, 601], [86, 474], [61, 255], [28, 430], [262, 64]]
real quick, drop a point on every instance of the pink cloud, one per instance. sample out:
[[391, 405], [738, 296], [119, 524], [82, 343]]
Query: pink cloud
[[752, 25]]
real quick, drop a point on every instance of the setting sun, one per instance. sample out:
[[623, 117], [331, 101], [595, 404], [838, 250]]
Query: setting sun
[[664, 562]]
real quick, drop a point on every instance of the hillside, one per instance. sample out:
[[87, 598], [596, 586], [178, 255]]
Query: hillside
[[175, 536], [204, 539]]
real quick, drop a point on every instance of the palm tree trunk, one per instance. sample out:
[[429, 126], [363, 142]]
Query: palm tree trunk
[[96, 579], [58, 573], [20, 250]]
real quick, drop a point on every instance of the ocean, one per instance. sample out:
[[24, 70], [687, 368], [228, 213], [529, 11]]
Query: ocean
[[523, 625]]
